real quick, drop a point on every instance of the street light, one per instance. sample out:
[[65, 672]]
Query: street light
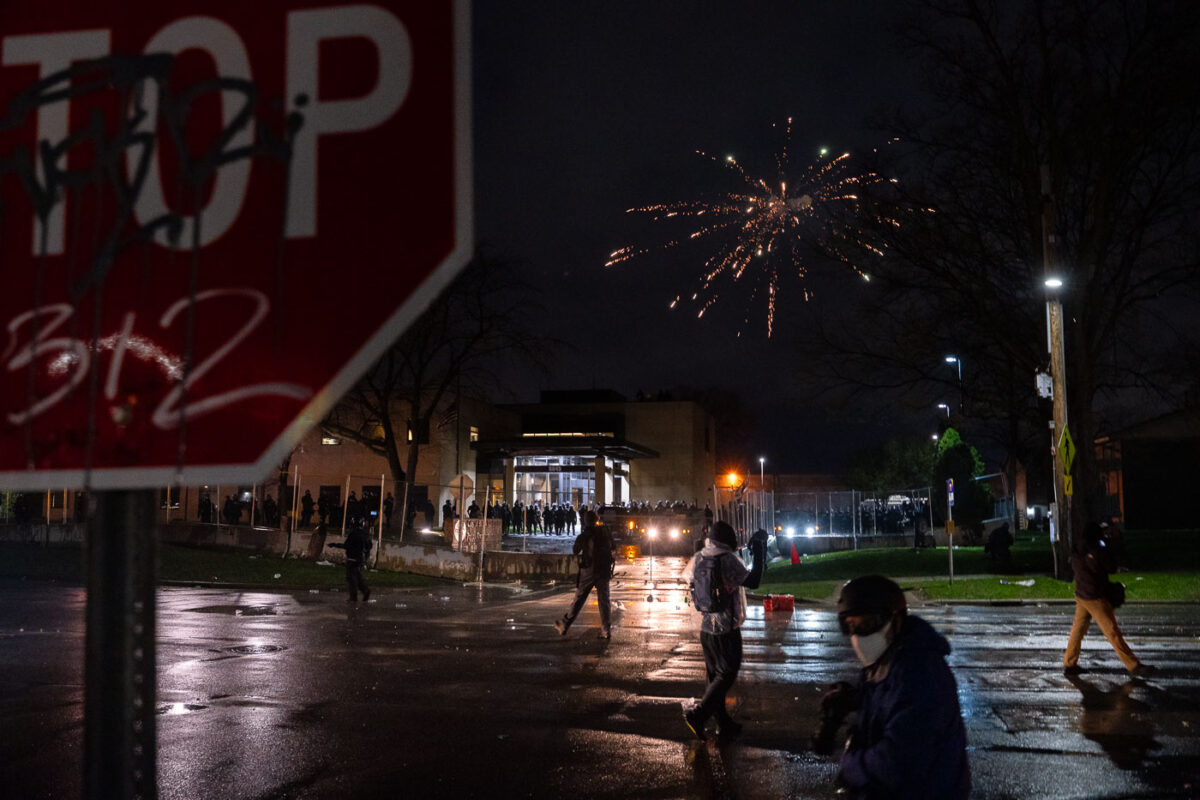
[[762, 483], [955, 360], [945, 408]]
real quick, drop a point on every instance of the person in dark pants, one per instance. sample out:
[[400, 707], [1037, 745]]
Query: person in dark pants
[[358, 548], [918, 532], [306, 509], [596, 551], [908, 741], [999, 545], [1092, 560], [721, 631]]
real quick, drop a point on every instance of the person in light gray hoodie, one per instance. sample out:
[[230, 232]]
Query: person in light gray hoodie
[[721, 628]]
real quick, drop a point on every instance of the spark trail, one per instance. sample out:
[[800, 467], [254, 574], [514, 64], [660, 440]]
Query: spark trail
[[767, 229]]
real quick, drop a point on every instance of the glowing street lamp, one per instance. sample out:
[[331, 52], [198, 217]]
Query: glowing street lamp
[[945, 408], [956, 361], [762, 482]]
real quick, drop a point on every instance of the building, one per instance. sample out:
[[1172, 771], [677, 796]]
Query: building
[[1149, 471], [579, 447], [597, 447]]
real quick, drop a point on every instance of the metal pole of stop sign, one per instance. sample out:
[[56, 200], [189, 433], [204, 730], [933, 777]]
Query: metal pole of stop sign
[[120, 687]]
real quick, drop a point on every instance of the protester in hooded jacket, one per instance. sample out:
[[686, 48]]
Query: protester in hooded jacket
[[720, 631], [1092, 560], [908, 741], [596, 551]]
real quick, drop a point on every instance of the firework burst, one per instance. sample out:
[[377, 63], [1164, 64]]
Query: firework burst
[[767, 229]]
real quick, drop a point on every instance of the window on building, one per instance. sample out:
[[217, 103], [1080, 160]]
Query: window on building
[[330, 440], [168, 498], [474, 435]]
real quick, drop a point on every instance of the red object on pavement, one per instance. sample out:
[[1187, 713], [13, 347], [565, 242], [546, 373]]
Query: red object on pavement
[[216, 216], [795, 555], [779, 602]]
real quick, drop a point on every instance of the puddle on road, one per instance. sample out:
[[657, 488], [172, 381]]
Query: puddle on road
[[237, 611], [255, 649], [175, 709]]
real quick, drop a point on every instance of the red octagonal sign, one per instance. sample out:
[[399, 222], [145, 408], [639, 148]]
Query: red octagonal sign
[[215, 217]]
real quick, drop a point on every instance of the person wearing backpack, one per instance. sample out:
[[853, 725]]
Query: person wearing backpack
[[596, 551], [718, 581]]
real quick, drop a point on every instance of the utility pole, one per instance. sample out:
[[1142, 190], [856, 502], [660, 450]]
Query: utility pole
[[1060, 530]]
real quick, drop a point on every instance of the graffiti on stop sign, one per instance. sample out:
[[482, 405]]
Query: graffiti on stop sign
[[147, 266]]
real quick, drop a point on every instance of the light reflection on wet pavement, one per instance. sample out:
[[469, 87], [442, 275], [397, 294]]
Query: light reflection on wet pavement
[[467, 691]]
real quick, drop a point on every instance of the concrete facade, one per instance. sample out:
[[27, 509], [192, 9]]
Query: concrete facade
[[685, 436]]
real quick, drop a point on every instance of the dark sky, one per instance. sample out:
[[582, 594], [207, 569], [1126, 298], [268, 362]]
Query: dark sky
[[583, 110]]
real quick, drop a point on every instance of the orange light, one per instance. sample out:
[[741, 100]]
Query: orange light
[[732, 479]]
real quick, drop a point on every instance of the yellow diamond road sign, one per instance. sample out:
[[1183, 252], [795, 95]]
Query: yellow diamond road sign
[[1068, 485], [1066, 450]]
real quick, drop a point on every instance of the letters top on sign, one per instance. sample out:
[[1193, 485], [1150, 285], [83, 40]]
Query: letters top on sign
[[216, 217]]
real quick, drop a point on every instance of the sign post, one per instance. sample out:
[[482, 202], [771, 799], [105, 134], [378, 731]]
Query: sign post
[[178, 184], [950, 524]]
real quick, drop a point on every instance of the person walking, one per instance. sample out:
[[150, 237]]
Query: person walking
[[717, 568], [1092, 561], [596, 551], [358, 547], [306, 509], [908, 741]]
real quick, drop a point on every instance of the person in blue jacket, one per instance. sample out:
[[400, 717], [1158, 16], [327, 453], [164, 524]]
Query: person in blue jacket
[[907, 739]]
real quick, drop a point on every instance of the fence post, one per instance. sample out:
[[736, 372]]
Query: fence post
[[345, 506]]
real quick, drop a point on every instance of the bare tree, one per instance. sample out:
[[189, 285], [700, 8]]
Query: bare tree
[[482, 322], [1103, 92]]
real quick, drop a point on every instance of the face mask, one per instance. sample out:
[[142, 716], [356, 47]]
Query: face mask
[[869, 648]]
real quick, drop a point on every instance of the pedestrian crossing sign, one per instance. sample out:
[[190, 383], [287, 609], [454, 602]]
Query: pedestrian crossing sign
[[1066, 450]]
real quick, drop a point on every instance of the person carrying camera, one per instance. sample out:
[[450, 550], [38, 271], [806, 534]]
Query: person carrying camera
[[907, 740], [1094, 557]]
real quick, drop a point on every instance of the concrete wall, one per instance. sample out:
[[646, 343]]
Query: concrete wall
[[679, 431], [434, 560], [41, 533]]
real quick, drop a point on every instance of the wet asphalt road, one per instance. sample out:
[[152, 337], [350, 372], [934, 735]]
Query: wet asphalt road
[[463, 692]]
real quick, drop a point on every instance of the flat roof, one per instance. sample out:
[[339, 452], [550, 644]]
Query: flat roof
[[610, 446]]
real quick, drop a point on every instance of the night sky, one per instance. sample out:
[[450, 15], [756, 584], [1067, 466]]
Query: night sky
[[583, 110]]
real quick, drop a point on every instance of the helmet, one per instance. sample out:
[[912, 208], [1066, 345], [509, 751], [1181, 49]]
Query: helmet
[[871, 594]]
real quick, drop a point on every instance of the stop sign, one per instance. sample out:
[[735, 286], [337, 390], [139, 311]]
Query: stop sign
[[215, 217]]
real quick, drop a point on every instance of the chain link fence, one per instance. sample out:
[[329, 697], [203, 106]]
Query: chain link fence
[[891, 517]]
